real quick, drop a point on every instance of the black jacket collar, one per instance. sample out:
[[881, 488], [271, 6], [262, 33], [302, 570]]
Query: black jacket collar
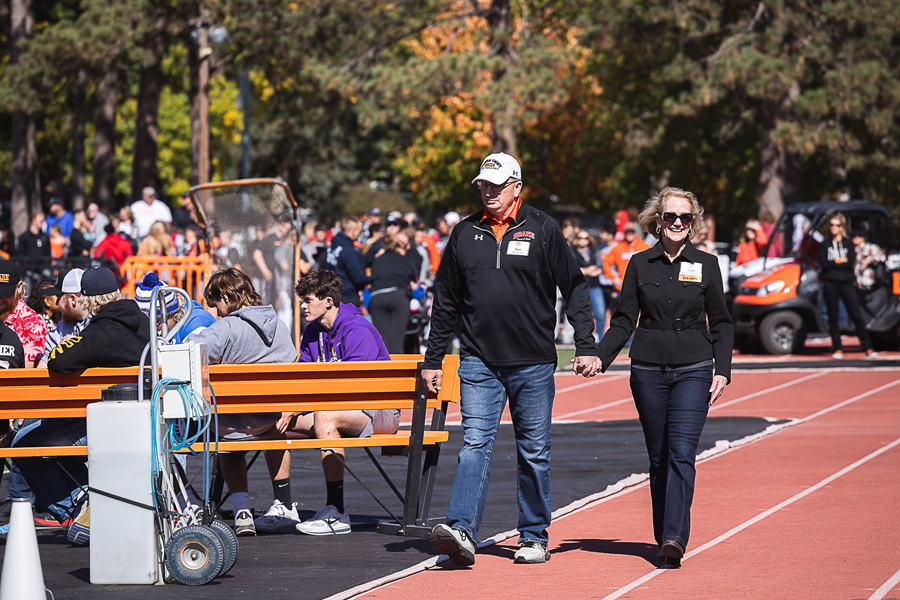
[[690, 252]]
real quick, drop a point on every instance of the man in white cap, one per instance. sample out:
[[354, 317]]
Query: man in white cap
[[74, 316], [148, 210], [498, 277]]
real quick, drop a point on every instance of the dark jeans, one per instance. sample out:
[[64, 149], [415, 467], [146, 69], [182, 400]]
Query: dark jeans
[[390, 315], [672, 406], [848, 293]]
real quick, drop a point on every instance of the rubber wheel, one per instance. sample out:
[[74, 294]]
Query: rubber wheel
[[780, 332], [194, 555], [229, 541]]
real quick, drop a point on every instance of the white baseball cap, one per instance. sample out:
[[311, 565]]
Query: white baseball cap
[[68, 282], [498, 167]]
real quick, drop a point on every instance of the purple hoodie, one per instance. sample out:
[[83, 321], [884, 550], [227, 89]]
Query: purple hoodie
[[351, 337]]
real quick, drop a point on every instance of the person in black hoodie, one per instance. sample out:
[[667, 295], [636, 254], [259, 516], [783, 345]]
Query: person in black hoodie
[[345, 259], [115, 337], [836, 259]]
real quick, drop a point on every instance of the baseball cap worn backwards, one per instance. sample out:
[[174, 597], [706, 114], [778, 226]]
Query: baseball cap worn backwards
[[68, 282], [499, 167], [98, 281], [10, 276]]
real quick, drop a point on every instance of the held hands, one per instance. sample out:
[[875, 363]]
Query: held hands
[[587, 365], [433, 379], [717, 389]]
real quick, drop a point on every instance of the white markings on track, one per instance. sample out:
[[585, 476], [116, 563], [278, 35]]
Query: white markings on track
[[767, 391], [886, 587], [579, 386], [593, 408], [639, 582]]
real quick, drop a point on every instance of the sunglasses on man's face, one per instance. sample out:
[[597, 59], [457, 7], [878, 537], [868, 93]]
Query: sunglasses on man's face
[[669, 218]]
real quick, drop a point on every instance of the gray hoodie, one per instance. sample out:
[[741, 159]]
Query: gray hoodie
[[253, 334]]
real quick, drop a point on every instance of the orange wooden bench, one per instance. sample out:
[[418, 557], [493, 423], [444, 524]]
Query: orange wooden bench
[[274, 387]]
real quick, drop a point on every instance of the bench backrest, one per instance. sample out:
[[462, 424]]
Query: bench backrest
[[271, 387]]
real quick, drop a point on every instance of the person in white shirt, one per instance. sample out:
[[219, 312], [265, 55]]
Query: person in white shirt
[[148, 211]]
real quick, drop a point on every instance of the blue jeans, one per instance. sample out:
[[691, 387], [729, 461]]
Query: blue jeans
[[672, 407], [17, 487], [53, 489], [483, 393], [598, 304]]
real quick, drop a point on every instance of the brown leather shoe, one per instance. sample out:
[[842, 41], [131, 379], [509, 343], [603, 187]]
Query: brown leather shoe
[[673, 552]]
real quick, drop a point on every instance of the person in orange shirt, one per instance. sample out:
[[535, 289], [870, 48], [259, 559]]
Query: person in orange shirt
[[619, 256], [753, 243]]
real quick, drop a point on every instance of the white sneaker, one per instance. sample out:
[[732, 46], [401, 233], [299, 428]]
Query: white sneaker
[[327, 521], [532, 552], [455, 543], [278, 519]]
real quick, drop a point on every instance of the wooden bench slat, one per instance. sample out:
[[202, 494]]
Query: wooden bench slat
[[401, 438]]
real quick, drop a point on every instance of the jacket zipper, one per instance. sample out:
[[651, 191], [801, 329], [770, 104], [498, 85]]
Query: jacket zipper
[[500, 241]]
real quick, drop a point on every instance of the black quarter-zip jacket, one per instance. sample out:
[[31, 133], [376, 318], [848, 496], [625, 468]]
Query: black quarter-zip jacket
[[654, 290], [503, 293]]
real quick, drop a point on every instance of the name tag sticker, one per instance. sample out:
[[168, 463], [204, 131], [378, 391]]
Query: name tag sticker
[[518, 248], [691, 272]]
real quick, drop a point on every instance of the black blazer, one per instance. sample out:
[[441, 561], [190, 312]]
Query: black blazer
[[662, 292]]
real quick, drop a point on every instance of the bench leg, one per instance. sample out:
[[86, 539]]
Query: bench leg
[[412, 525]]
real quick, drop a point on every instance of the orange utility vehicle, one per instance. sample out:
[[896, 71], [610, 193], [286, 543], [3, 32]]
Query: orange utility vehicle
[[779, 307]]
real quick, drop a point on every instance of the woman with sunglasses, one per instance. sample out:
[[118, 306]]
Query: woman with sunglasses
[[837, 256], [680, 357]]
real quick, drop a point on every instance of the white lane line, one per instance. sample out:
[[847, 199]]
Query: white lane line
[[580, 386], [639, 582], [767, 391], [632, 483], [715, 407], [886, 587], [594, 408], [825, 411]]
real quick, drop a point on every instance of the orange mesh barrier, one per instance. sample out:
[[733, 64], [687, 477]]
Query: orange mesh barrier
[[190, 273], [897, 284]]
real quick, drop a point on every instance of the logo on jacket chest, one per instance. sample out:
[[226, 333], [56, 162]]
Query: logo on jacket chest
[[479, 237], [522, 235]]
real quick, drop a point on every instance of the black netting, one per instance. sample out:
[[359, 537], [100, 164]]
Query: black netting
[[252, 227]]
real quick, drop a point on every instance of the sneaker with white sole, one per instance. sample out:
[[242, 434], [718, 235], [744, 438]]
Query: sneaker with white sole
[[455, 543], [532, 552], [278, 519], [243, 523], [327, 521]]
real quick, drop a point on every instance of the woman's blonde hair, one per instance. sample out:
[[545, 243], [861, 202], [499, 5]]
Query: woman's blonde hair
[[656, 206], [840, 217], [93, 304]]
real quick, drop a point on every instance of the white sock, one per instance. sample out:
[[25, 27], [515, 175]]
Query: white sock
[[240, 501]]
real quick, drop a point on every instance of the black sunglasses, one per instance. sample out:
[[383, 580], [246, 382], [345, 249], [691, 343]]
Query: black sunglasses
[[686, 218]]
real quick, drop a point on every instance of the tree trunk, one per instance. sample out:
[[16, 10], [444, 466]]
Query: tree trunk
[[78, 125], [144, 170], [781, 168], [105, 141], [22, 177], [503, 130]]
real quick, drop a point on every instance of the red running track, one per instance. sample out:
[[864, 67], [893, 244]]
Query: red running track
[[808, 512]]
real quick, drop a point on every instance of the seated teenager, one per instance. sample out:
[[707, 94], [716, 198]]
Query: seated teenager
[[246, 332], [175, 306], [115, 337], [336, 332]]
